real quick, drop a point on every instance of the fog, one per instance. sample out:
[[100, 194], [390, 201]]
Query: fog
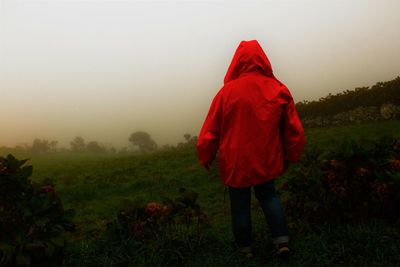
[[104, 69]]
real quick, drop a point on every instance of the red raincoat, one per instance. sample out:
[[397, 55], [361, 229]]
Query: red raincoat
[[252, 121]]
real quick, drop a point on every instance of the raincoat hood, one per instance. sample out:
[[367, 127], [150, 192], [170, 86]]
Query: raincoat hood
[[249, 57]]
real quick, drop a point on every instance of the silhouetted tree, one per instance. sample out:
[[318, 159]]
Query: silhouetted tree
[[78, 144], [123, 151], [187, 137], [190, 140], [95, 147], [53, 145], [143, 141], [42, 145], [166, 146], [193, 140]]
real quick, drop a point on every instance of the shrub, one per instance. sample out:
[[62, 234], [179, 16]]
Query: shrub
[[32, 218], [356, 182], [146, 222], [165, 233]]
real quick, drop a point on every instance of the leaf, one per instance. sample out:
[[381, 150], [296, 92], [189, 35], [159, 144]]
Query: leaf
[[26, 171], [34, 245], [20, 235], [41, 222], [27, 212], [68, 226], [7, 250], [14, 163], [49, 251], [58, 241], [69, 214], [182, 190], [56, 228], [23, 260], [192, 197]]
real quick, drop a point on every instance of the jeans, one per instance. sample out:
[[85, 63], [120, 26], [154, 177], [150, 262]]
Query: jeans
[[271, 205]]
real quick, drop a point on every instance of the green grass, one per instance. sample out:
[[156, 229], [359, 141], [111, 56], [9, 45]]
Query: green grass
[[96, 185]]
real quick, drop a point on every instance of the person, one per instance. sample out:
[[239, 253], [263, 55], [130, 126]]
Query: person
[[253, 125]]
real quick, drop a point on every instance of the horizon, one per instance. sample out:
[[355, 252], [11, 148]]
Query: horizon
[[129, 146], [104, 69]]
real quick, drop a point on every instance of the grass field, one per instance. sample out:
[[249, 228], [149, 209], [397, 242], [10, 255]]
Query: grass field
[[96, 185]]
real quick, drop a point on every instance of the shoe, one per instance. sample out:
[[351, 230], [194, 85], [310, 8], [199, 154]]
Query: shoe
[[282, 250], [247, 252]]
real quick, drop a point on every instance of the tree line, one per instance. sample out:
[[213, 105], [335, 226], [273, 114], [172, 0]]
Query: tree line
[[332, 104], [140, 141], [376, 95]]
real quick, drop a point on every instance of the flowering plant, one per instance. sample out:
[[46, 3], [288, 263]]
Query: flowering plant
[[32, 218], [357, 181], [146, 221]]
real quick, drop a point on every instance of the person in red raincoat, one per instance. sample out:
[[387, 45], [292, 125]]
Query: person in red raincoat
[[254, 126]]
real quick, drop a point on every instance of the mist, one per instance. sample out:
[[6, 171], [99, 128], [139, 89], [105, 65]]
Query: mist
[[105, 69]]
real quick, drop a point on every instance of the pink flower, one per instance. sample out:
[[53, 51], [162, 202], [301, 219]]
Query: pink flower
[[284, 186], [48, 189]]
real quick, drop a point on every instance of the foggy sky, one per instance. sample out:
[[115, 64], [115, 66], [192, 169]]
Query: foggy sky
[[104, 69]]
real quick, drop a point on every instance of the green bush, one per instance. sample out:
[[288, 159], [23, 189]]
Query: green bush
[[145, 222], [32, 218], [163, 233], [358, 181]]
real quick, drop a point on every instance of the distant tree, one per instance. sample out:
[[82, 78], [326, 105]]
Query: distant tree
[[42, 145], [22, 147], [181, 144], [53, 146], [193, 140], [123, 151], [39, 146], [190, 141], [143, 141], [62, 149], [187, 137], [78, 144], [166, 146], [95, 147]]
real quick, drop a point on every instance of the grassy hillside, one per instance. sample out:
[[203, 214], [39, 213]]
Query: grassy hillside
[[375, 96], [95, 186]]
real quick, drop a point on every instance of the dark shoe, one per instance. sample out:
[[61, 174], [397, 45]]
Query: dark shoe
[[282, 250]]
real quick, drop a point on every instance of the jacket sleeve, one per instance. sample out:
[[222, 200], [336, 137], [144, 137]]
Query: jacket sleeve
[[292, 132], [208, 140]]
